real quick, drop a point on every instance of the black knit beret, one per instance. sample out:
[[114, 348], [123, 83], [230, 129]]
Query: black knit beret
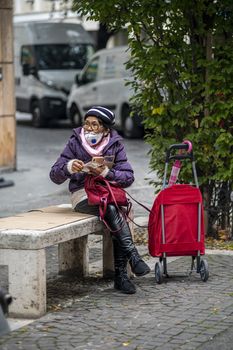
[[102, 113]]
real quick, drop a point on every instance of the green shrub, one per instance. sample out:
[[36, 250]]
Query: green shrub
[[182, 61]]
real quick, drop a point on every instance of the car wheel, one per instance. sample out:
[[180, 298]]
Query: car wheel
[[75, 116], [130, 127], [38, 121]]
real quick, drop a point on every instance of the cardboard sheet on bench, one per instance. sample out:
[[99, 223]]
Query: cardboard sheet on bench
[[42, 219]]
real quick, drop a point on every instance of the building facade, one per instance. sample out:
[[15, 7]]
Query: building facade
[[60, 10]]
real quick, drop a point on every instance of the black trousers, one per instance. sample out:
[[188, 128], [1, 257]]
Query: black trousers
[[113, 217], [124, 248]]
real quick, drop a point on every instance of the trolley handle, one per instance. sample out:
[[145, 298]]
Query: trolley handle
[[179, 146]]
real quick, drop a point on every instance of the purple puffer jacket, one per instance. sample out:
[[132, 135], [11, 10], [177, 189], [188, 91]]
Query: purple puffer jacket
[[121, 172]]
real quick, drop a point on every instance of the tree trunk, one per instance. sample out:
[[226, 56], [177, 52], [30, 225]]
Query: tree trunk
[[103, 35], [7, 97]]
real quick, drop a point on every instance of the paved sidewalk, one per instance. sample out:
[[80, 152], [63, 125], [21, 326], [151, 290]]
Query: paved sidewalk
[[181, 313]]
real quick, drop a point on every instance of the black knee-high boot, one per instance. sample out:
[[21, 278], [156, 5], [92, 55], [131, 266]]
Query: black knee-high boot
[[121, 280], [123, 236]]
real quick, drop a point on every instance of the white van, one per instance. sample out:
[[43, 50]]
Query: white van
[[48, 55], [102, 82]]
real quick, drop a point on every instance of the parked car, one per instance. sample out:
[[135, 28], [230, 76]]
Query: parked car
[[47, 57], [103, 82]]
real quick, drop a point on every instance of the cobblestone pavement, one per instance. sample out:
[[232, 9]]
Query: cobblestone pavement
[[182, 313]]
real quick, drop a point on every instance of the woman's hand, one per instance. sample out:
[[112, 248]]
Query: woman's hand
[[77, 166], [98, 170]]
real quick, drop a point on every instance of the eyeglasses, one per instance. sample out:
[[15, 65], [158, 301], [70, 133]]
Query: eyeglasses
[[93, 126]]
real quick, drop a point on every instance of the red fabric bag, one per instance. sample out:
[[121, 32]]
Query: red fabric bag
[[180, 220], [101, 192]]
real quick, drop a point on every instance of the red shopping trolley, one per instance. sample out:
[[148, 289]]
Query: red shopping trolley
[[176, 221]]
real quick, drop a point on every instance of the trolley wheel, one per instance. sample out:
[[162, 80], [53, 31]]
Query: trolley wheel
[[159, 272], [204, 270]]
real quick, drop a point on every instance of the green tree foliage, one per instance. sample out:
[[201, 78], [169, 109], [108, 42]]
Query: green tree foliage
[[182, 62]]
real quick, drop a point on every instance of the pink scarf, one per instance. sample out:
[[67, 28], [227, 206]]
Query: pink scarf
[[94, 150]]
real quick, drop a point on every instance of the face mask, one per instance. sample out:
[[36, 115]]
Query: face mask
[[93, 138]]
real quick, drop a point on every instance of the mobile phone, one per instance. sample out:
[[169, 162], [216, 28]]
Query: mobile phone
[[98, 160]]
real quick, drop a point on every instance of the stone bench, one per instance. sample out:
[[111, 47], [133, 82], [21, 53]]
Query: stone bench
[[23, 240]]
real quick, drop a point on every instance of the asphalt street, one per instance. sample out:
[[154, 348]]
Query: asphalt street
[[181, 313]]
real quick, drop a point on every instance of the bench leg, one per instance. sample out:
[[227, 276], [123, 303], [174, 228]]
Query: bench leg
[[131, 226], [108, 265], [73, 256], [27, 281]]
